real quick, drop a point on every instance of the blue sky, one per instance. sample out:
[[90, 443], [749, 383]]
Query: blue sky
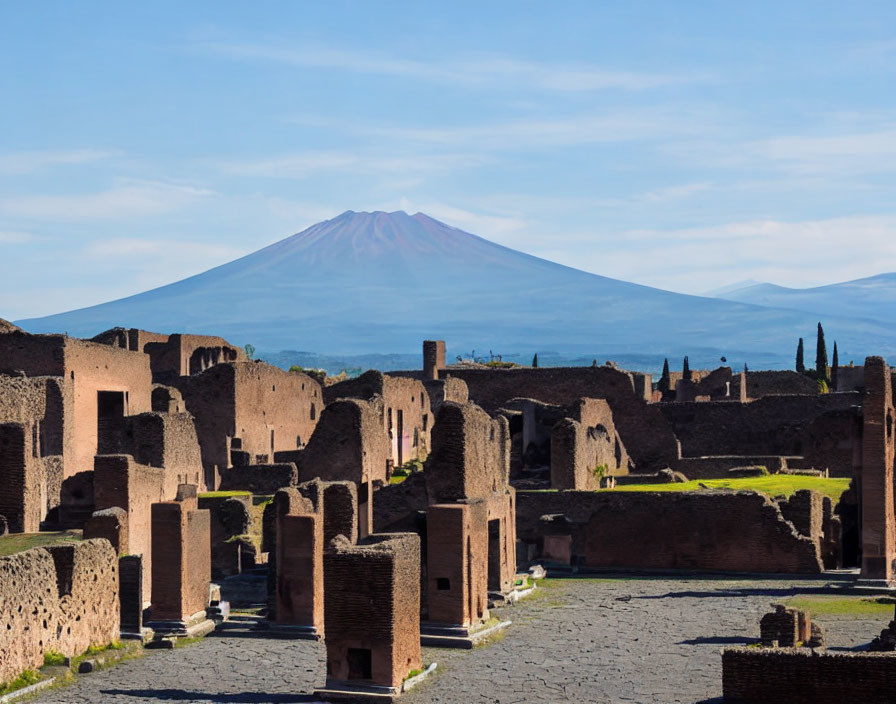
[[680, 145]]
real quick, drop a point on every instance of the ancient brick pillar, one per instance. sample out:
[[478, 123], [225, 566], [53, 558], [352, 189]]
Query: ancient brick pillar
[[433, 358], [878, 528], [456, 568], [181, 561], [300, 570], [372, 610], [20, 494]]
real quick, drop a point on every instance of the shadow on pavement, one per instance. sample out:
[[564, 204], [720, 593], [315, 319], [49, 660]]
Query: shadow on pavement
[[718, 640]]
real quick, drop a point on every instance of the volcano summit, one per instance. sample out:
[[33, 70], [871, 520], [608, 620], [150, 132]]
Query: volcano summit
[[380, 282]]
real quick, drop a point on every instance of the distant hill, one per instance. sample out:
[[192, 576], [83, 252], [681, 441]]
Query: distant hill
[[379, 283], [873, 298]]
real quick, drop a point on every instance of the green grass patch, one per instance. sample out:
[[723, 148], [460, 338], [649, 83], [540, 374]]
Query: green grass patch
[[224, 494], [19, 542], [262, 499], [26, 679], [53, 657], [184, 642], [397, 478], [844, 606], [772, 485]]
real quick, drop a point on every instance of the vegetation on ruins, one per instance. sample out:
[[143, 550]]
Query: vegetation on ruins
[[26, 679], [771, 485], [402, 472], [319, 375], [600, 471], [19, 542], [843, 606], [250, 350], [223, 494], [53, 658], [800, 358]]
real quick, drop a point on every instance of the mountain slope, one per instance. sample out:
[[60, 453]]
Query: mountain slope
[[381, 282], [873, 298]]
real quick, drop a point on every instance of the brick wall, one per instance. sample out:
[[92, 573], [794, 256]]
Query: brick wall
[[647, 436], [260, 478], [767, 676], [769, 426], [703, 530], [350, 443], [586, 446]]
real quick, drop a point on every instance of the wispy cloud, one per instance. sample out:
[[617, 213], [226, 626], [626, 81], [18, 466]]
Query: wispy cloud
[[474, 70], [15, 237], [790, 253], [872, 151], [209, 253], [490, 225], [304, 164], [30, 162], [607, 127], [127, 199]]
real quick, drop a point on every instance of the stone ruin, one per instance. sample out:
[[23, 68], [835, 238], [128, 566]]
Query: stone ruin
[[131, 437], [786, 627]]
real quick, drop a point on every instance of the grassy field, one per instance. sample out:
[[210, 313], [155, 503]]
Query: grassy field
[[772, 484], [223, 494], [862, 607], [18, 542]]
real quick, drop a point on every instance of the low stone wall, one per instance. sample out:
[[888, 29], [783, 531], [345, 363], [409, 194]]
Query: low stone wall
[[62, 598], [260, 478], [800, 676], [732, 531]]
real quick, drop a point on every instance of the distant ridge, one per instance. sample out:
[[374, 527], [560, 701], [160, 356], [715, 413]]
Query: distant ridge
[[872, 298], [381, 282]]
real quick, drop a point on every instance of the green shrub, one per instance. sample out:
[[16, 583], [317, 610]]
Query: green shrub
[[600, 471], [26, 679], [54, 657]]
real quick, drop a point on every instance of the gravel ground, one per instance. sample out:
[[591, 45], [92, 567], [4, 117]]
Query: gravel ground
[[578, 640]]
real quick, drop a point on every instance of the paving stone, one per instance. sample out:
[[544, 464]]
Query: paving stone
[[573, 643]]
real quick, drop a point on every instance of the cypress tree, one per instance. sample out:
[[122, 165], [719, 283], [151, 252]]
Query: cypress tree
[[835, 362], [745, 368], [821, 356], [535, 360], [800, 363], [664, 383], [686, 370]]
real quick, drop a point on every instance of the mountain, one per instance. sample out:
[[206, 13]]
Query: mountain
[[382, 282], [872, 298], [737, 286]]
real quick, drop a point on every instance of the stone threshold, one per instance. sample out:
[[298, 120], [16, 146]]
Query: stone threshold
[[461, 637], [285, 630], [336, 691]]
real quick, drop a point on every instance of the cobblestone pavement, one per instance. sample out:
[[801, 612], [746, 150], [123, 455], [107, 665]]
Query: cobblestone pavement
[[578, 640]]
